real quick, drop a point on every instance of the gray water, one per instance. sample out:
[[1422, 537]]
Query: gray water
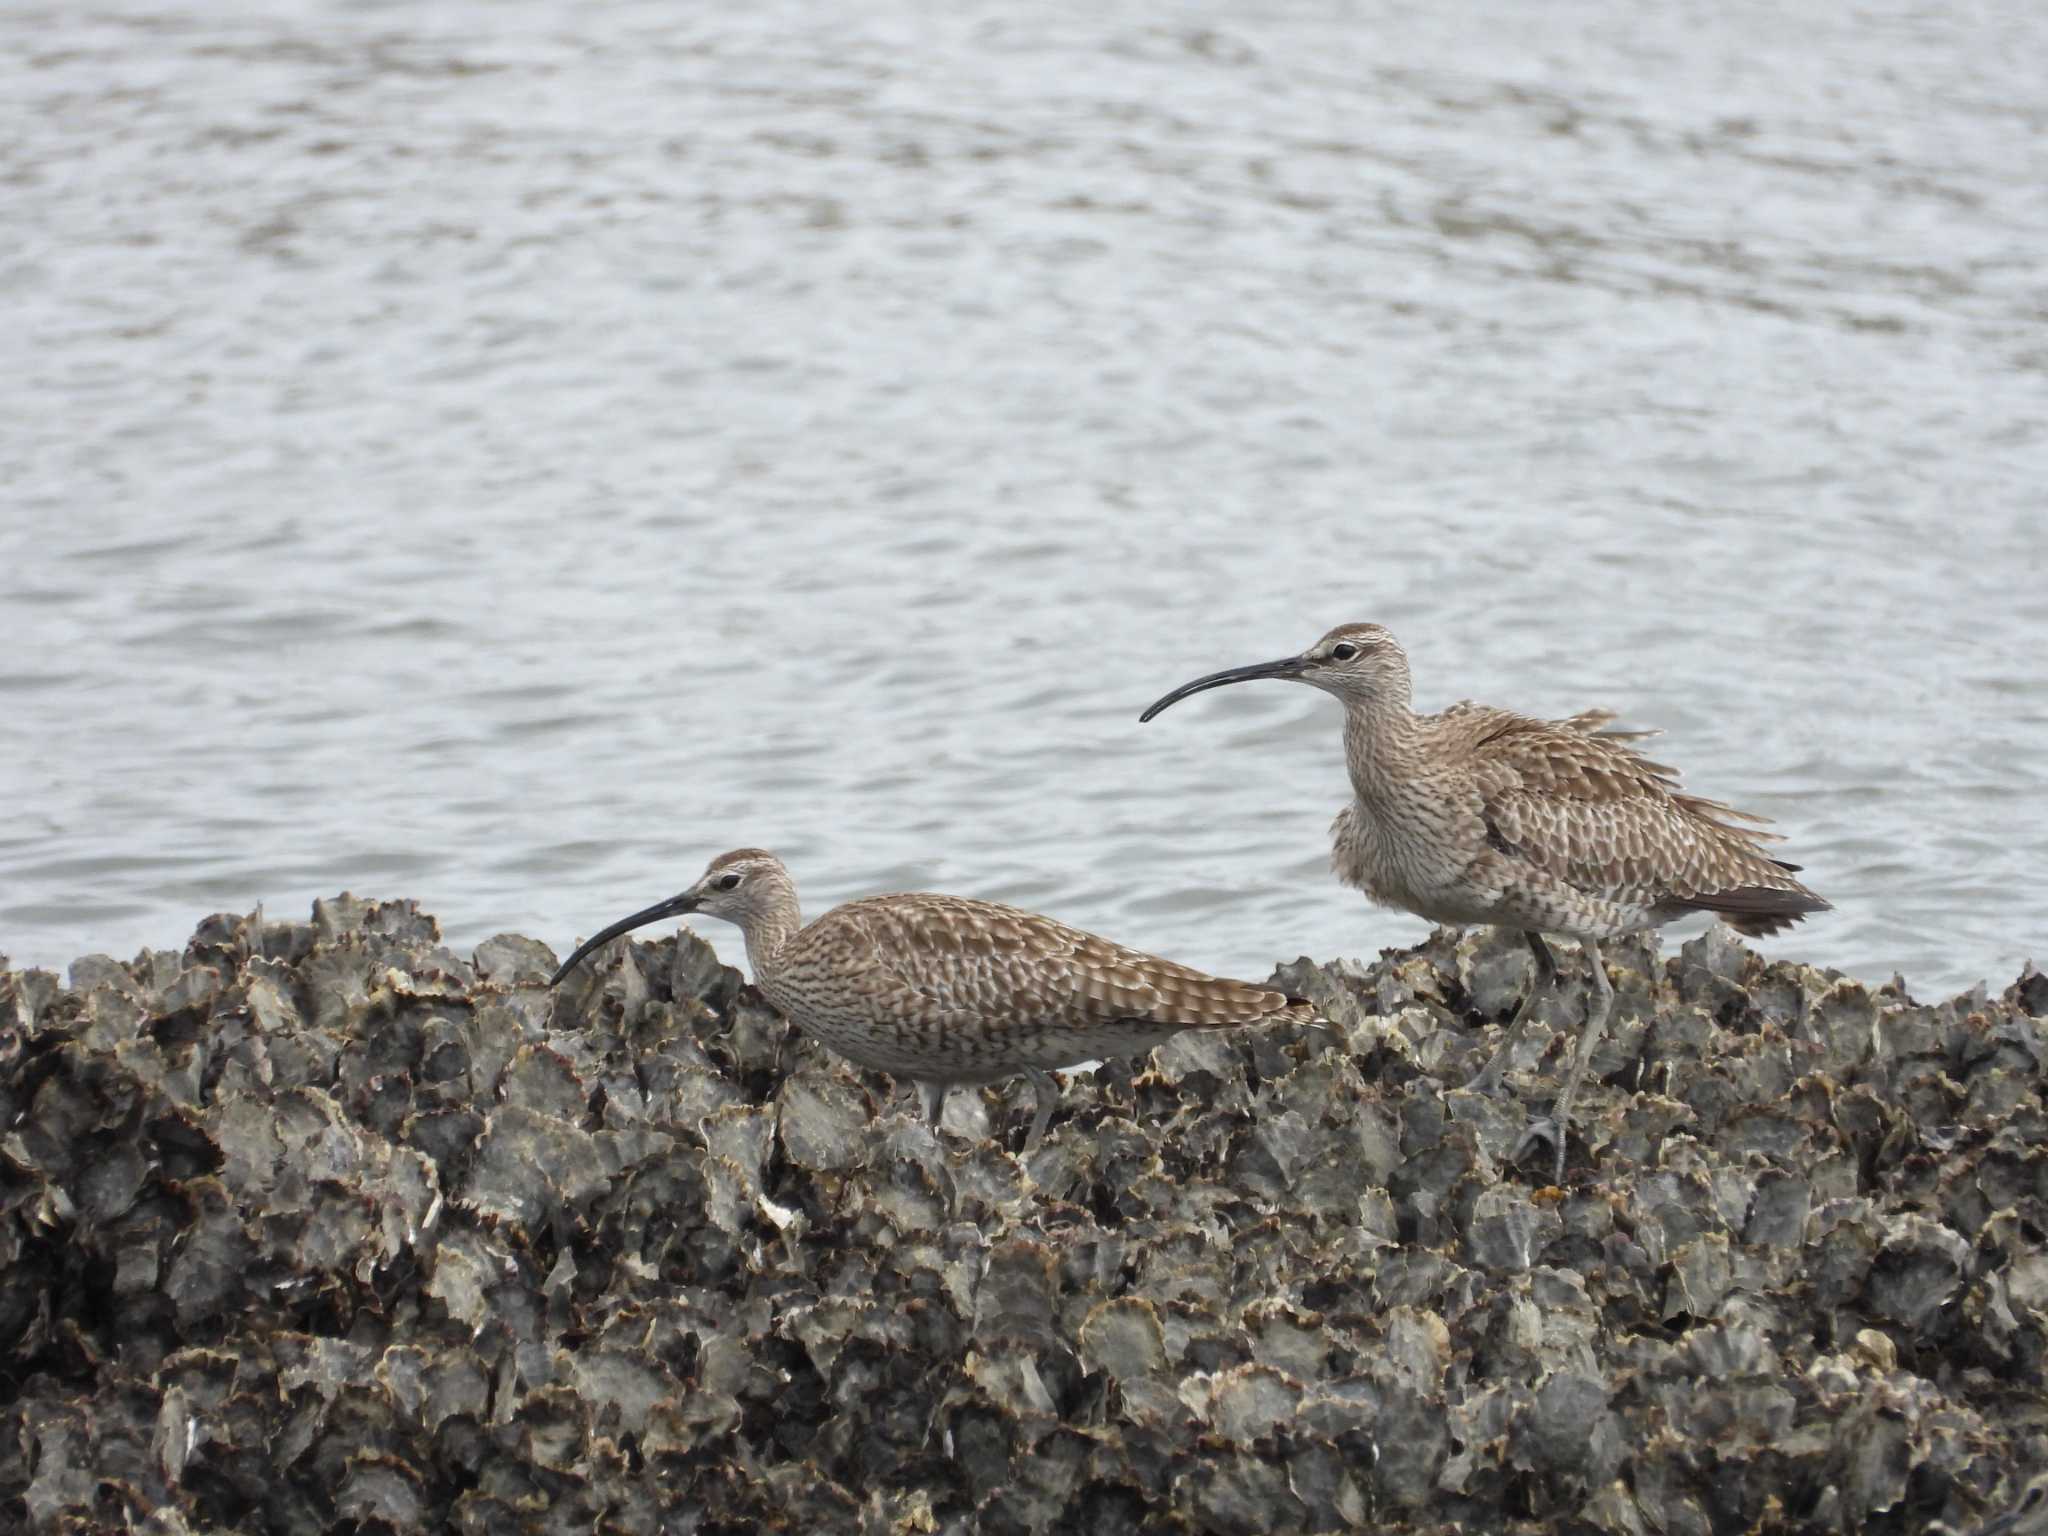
[[503, 454]]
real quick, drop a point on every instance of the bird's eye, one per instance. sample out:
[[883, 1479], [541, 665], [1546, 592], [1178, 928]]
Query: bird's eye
[[728, 882], [1345, 651]]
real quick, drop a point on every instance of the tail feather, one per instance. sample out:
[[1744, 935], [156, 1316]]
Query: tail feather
[[1288, 1009], [1299, 1010], [1757, 910]]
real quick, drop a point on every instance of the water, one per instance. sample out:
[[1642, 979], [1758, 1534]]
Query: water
[[504, 454]]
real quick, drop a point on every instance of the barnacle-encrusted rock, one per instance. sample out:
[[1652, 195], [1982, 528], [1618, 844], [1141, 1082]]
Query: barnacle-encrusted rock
[[320, 1227]]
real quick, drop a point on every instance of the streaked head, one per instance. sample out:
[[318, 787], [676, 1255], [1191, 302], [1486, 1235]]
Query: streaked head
[[1356, 662], [741, 887]]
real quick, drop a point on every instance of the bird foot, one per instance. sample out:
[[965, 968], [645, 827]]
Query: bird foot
[[1542, 1132], [1487, 1079]]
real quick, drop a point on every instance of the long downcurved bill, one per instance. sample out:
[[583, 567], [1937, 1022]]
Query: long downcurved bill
[[675, 906], [1291, 667]]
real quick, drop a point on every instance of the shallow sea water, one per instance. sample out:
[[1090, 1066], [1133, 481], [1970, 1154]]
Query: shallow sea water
[[505, 454]]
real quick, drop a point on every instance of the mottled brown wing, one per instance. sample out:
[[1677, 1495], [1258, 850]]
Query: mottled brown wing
[[989, 961], [1581, 803], [1476, 722], [1599, 722]]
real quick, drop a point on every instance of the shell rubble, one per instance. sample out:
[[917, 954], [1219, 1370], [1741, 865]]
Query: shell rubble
[[323, 1228]]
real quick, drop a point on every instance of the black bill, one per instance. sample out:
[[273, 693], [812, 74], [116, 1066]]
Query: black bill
[[1291, 667], [675, 906]]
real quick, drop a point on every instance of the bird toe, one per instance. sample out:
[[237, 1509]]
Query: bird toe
[[1542, 1131], [1487, 1079]]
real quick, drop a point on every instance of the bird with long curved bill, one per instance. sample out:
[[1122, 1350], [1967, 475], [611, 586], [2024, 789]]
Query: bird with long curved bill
[[945, 990], [1480, 815]]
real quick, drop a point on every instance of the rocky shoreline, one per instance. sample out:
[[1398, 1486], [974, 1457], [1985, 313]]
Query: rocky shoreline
[[321, 1227]]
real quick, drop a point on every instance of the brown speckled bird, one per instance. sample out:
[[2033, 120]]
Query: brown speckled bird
[[1480, 815], [945, 990]]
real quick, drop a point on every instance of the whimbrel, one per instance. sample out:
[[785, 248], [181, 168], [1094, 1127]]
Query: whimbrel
[[1479, 815], [946, 990]]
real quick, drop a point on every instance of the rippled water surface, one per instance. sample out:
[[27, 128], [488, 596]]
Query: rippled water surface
[[503, 454]]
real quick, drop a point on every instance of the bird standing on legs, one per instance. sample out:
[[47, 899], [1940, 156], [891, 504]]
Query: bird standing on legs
[[946, 990], [1480, 815]]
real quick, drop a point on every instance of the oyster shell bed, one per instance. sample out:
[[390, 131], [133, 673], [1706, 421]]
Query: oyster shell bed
[[321, 1227]]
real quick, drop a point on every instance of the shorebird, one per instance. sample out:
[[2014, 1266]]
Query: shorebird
[[945, 990], [1480, 815]]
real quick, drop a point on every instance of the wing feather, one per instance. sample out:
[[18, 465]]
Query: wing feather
[[1576, 799], [975, 959]]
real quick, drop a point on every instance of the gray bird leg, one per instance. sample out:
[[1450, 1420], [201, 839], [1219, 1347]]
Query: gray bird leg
[[1559, 1123], [1488, 1079], [1044, 1093], [932, 1096]]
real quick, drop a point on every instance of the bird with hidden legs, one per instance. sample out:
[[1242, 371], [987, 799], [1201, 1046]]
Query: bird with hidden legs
[[946, 990], [1561, 827]]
